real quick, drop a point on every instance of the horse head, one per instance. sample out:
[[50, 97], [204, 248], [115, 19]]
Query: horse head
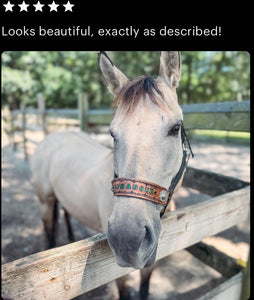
[[148, 148]]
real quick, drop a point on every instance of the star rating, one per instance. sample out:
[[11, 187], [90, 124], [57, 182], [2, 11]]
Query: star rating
[[8, 6], [38, 6], [23, 6], [68, 6], [53, 6]]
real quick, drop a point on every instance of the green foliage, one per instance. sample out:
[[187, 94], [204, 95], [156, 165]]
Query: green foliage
[[61, 76], [215, 76], [16, 81]]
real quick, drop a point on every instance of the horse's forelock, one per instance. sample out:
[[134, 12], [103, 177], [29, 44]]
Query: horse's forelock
[[136, 89]]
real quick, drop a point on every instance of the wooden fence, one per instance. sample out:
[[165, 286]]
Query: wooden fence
[[69, 271], [229, 116]]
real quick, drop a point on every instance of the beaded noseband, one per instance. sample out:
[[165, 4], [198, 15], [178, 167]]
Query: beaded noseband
[[130, 187]]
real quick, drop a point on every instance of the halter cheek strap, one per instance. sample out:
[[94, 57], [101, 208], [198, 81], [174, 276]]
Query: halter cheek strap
[[130, 187], [176, 179]]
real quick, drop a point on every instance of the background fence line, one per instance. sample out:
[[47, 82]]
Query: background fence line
[[228, 116]]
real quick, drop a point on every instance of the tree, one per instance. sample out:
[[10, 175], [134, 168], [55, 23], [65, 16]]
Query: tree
[[61, 75]]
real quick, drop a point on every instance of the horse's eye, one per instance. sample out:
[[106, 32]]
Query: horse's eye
[[112, 134], [175, 129]]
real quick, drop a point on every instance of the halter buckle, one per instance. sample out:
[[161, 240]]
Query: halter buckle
[[163, 196]]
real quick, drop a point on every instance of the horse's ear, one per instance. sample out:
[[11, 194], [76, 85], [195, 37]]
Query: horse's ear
[[170, 67], [114, 78]]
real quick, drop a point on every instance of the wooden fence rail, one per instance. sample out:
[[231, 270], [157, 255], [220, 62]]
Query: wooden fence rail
[[230, 116], [68, 271]]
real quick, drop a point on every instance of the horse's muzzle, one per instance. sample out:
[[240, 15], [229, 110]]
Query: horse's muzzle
[[132, 237]]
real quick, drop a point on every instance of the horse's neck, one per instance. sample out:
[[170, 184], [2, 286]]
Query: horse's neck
[[103, 173]]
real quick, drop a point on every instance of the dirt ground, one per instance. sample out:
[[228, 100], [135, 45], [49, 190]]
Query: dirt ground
[[178, 277]]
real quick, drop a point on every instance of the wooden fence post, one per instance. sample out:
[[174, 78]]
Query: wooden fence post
[[11, 107], [8, 125], [23, 112], [245, 292], [83, 107], [42, 112]]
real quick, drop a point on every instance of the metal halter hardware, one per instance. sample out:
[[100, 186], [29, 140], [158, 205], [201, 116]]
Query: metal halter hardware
[[130, 187]]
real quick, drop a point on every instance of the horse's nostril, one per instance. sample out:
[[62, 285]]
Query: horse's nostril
[[148, 235], [149, 244], [148, 239]]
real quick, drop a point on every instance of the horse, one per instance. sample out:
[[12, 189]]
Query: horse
[[125, 191]]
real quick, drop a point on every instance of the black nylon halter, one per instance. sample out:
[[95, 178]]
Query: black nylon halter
[[187, 151]]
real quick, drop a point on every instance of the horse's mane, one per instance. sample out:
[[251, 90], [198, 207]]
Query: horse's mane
[[138, 88]]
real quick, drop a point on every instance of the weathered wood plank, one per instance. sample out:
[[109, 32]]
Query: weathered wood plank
[[42, 112], [62, 121], [100, 117], [217, 107], [229, 289], [229, 116], [221, 262], [83, 107], [229, 121], [211, 183], [220, 121], [245, 290], [188, 226], [71, 270]]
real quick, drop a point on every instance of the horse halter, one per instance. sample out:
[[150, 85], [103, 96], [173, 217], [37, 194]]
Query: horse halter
[[130, 187]]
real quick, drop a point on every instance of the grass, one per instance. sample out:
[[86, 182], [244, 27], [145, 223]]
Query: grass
[[232, 137]]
